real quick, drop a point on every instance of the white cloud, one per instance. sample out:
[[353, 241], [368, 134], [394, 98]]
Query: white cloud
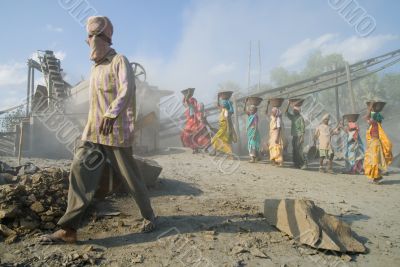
[[214, 45], [352, 48], [300, 51], [53, 28], [357, 48], [12, 74], [61, 55], [12, 84], [213, 48], [222, 68]]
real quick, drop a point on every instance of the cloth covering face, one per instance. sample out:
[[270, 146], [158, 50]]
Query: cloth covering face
[[99, 47]]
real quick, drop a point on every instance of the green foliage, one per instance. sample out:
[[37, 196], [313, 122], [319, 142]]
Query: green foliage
[[10, 119], [375, 86]]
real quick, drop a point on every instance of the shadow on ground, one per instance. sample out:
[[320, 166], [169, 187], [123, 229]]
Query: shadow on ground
[[166, 187], [171, 226]]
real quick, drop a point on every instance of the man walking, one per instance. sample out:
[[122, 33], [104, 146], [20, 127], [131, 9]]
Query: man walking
[[298, 129], [108, 134]]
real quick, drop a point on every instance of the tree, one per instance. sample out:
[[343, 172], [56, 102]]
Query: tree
[[10, 119]]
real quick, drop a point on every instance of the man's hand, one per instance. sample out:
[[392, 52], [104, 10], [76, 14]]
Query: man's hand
[[301, 138], [106, 125]]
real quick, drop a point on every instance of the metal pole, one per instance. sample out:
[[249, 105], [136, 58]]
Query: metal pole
[[353, 100], [21, 137], [32, 87], [28, 88], [259, 65], [248, 74], [237, 123], [337, 96]]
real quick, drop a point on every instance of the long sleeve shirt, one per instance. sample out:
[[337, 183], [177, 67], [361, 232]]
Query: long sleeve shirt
[[111, 94], [298, 127]]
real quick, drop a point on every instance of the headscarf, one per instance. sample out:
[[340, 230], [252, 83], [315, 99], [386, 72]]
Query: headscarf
[[353, 125], [326, 117], [276, 112], [377, 116], [225, 103], [253, 108], [101, 30]]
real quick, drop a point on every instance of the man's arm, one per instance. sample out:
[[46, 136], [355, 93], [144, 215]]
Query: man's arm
[[289, 115], [126, 87]]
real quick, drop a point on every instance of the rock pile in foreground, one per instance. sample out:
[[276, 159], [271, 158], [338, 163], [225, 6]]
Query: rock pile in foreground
[[33, 204]]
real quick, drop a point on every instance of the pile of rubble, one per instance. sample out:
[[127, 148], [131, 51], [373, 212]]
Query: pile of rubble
[[33, 202]]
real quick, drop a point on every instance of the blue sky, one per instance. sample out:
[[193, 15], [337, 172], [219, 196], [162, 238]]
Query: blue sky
[[193, 43]]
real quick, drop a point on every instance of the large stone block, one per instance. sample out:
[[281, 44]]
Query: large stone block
[[308, 224]]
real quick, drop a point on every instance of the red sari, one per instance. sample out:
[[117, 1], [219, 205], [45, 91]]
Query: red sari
[[202, 137], [191, 124]]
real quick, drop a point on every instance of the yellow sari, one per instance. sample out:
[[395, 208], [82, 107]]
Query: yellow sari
[[222, 140], [378, 154], [275, 150]]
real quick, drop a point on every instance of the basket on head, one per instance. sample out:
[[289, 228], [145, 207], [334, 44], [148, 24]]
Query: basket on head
[[376, 106], [225, 95], [254, 100], [276, 102], [188, 92], [351, 117], [297, 102]]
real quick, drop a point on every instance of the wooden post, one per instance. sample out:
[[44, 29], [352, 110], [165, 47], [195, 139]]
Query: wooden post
[[353, 100], [337, 97], [28, 89], [237, 123], [21, 136], [32, 90]]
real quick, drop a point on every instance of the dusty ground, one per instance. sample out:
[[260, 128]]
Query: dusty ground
[[208, 217]]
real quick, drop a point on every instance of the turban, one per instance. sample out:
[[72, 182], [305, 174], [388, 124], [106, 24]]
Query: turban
[[97, 25], [326, 117]]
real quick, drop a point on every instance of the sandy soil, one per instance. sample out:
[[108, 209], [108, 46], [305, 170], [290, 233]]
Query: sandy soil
[[210, 217]]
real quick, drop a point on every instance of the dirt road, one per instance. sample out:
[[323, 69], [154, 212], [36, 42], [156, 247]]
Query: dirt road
[[212, 215]]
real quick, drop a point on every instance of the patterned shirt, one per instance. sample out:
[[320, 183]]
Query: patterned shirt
[[298, 125], [111, 94]]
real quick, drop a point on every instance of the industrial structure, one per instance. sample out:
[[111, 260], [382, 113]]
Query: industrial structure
[[55, 113]]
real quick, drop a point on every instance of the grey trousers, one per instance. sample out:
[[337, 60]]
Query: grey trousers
[[298, 155], [86, 172]]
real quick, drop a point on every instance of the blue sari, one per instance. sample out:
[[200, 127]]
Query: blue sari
[[253, 135], [354, 156]]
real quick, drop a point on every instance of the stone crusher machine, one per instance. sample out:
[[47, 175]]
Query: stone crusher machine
[[44, 98], [56, 90]]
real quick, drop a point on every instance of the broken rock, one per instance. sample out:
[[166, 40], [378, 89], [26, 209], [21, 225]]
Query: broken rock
[[5, 231], [310, 225], [37, 207]]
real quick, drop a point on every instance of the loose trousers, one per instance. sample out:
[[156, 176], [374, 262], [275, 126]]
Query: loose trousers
[[86, 172]]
